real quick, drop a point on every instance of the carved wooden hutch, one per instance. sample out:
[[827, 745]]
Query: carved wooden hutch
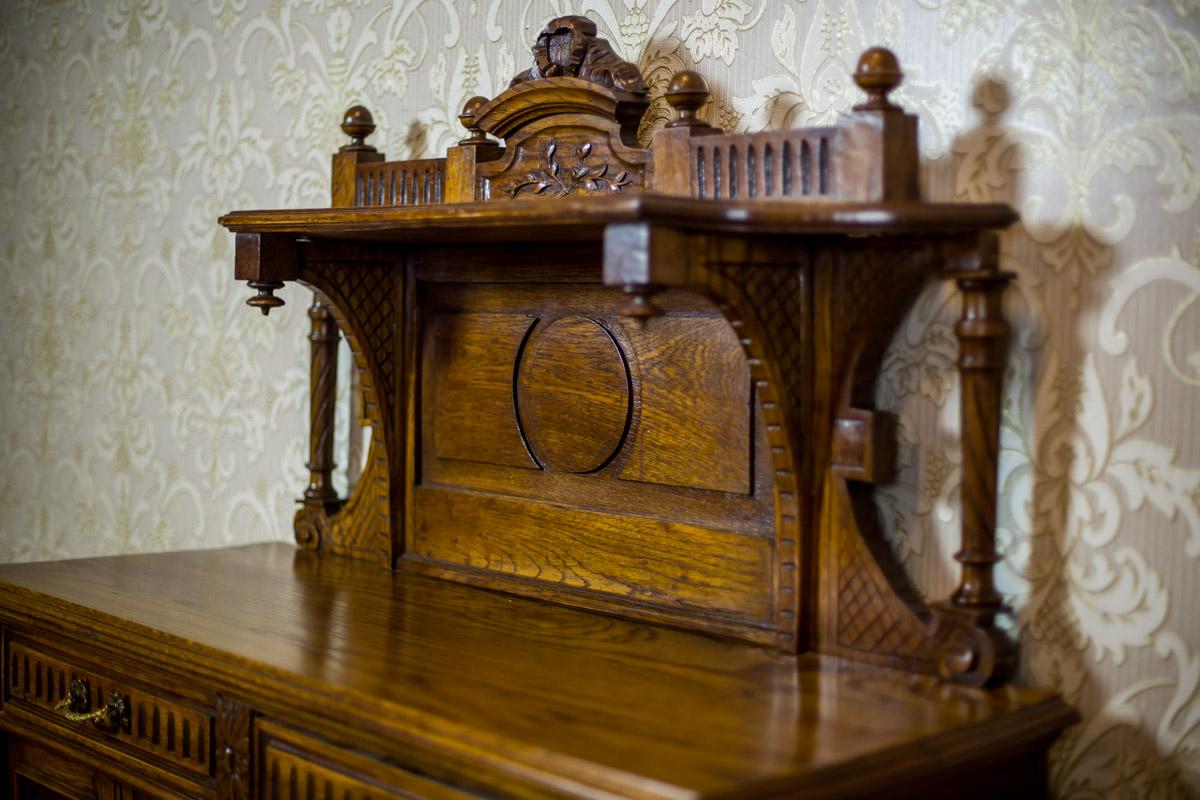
[[614, 535]]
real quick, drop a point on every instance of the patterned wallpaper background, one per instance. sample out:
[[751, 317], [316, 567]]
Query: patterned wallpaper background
[[144, 407]]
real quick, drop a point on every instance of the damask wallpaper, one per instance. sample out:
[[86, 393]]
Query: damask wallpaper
[[143, 407]]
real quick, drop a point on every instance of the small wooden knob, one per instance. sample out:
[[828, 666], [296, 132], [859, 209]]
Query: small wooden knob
[[358, 124], [878, 74], [687, 93], [468, 118]]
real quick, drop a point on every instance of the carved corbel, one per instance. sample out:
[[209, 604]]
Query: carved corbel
[[265, 261], [643, 259]]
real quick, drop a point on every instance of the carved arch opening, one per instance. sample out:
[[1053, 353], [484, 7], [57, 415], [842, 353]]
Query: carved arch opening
[[362, 525]]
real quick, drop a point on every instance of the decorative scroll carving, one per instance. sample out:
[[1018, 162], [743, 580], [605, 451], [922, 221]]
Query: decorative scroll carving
[[579, 178], [578, 97], [233, 750], [568, 46]]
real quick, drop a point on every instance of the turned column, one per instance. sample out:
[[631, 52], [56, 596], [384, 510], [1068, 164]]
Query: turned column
[[322, 386], [971, 649], [982, 340]]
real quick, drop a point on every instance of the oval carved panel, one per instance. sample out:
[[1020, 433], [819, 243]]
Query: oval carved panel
[[573, 395]]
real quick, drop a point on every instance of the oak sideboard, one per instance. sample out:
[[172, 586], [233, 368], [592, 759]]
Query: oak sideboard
[[612, 533]]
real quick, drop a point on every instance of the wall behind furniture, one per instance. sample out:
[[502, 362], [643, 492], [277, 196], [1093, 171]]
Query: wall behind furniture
[[144, 407]]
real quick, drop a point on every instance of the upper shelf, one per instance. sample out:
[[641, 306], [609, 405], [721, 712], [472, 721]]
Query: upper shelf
[[566, 161], [586, 218]]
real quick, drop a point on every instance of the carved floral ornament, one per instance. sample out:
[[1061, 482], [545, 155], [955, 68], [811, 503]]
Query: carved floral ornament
[[559, 180]]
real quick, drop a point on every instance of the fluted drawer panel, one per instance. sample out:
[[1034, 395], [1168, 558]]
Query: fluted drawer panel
[[298, 766], [173, 731]]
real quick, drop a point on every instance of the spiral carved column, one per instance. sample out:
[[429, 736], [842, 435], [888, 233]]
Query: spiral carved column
[[322, 391]]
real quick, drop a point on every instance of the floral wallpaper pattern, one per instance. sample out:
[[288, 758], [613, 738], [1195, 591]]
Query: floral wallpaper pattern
[[143, 407]]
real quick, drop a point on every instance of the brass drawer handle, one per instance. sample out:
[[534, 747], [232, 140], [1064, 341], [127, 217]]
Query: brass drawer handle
[[74, 706]]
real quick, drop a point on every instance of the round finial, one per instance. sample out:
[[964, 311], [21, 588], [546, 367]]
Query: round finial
[[358, 124], [468, 116], [878, 73], [687, 93]]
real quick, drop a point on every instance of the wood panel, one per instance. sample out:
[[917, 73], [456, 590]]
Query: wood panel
[[474, 418], [695, 407], [644, 433], [40, 774], [633, 558]]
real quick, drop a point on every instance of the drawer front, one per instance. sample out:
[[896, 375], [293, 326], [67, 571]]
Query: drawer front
[[168, 729], [296, 766]]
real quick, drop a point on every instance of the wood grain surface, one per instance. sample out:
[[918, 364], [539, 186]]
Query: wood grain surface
[[512, 695]]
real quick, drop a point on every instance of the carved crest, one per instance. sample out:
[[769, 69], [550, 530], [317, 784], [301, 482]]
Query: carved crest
[[569, 47]]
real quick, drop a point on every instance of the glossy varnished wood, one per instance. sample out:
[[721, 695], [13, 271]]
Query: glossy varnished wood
[[598, 377], [572, 218], [538, 698]]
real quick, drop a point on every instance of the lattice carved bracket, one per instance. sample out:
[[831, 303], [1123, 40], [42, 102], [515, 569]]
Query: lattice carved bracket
[[362, 290], [814, 323]]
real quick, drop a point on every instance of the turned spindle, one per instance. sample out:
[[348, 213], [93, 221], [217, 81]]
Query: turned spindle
[[973, 650], [322, 390]]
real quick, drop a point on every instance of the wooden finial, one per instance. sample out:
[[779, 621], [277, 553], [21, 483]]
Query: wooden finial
[[265, 298], [687, 93], [468, 119], [878, 74], [358, 124]]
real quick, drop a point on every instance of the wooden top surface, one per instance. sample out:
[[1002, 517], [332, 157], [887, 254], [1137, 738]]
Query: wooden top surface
[[586, 218], [571, 699]]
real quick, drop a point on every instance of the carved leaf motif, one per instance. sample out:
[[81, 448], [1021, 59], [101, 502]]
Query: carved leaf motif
[[581, 177]]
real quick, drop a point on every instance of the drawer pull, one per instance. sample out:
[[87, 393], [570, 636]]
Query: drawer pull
[[74, 706]]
